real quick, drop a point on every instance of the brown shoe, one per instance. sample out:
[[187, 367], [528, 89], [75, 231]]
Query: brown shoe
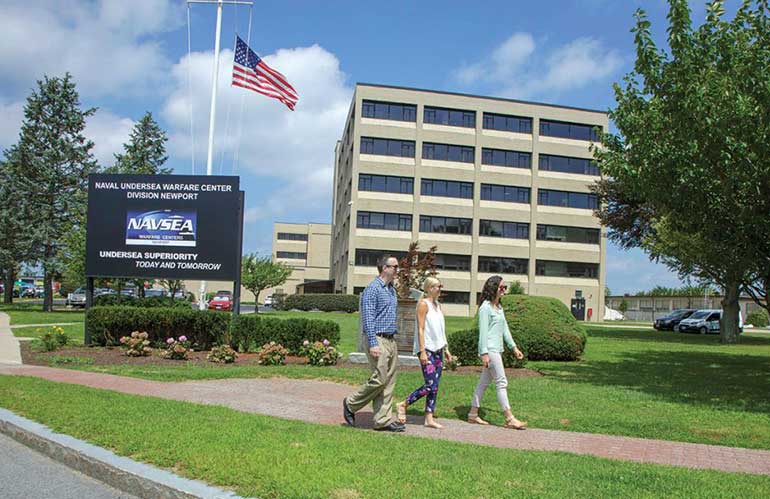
[[476, 419], [516, 424]]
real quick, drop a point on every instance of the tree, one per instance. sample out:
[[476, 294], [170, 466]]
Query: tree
[[145, 153], [414, 268], [515, 288], [15, 245], [52, 161], [623, 306], [687, 176], [172, 285], [258, 273]]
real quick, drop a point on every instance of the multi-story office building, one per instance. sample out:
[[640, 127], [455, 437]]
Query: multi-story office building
[[499, 186], [306, 248]]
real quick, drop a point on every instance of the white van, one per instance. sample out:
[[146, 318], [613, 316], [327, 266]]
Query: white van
[[706, 321]]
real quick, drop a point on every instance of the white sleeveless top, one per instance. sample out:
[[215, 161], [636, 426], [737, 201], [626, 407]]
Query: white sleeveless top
[[435, 335]]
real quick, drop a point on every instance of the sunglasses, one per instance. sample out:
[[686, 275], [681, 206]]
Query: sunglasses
[[392, 266], [503, 288]]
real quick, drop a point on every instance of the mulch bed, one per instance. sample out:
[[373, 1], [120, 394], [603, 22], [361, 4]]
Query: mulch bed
[[105, 356]]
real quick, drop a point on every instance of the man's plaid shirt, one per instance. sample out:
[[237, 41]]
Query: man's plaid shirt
[[378, 310]]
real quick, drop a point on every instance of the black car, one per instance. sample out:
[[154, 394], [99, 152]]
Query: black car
[[671, 321]]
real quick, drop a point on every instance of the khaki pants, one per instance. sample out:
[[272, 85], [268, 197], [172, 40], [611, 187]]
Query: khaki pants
[[378, 389]]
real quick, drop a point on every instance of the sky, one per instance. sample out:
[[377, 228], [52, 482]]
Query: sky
[[128, 57]]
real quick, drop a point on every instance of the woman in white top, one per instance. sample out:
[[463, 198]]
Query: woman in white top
[[431, 345]]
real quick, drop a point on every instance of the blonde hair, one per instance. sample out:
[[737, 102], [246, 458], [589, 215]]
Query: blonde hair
[[429, 283]]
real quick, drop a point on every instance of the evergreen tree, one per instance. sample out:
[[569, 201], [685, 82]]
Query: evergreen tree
[[145, 153]]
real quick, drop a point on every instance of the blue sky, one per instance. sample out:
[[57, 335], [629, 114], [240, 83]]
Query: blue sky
[[129, 57]]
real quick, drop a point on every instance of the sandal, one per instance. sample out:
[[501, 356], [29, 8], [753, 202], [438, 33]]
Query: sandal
[[476, 419], [515, 424], [401, 412], [433, 425]]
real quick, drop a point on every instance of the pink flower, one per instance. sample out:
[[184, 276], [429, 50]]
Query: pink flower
[[326, 343], [170, 341], [183, 338]]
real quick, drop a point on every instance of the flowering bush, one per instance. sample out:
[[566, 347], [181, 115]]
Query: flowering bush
[[51, 339], [319, 353], [271, 354], [136, 345], [222, 354], [176, 349]]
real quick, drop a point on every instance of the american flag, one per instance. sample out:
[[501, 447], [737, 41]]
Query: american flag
[[251, 72]]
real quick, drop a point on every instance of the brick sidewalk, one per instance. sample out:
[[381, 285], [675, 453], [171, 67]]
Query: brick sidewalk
[[320, 402]]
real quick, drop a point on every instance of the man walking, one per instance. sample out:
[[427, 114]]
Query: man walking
[[378, 316]]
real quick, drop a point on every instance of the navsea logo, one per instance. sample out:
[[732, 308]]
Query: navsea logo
[[161, 228]]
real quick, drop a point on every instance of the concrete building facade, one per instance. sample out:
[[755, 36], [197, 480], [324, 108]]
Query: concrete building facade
[[306, 248], [499, 186]]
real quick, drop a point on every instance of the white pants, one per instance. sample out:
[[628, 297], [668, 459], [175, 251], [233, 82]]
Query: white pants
[[495, 372]]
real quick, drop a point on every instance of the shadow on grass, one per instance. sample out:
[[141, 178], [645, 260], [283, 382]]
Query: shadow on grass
[[671, 337], [715, 379]]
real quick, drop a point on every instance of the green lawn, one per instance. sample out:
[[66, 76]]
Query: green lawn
[[273, 458], [74, 331], [633, 382], [31, 313]]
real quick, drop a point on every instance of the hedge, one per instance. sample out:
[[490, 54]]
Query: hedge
[[543, 329], [146, 302], [758, 318], [250, 332], [323, 302], [204, 329]]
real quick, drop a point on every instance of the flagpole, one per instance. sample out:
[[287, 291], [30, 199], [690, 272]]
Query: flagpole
[[213, 112]]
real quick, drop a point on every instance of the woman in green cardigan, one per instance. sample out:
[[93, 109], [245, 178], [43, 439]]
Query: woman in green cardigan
[[493, 331]]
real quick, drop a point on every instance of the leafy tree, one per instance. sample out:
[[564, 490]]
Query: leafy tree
[[15, 245], [623, 307], [51, 162], [687, 176], [145, 153], [515, 288], [258, 273]]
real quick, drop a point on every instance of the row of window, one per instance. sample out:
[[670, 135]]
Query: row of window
[[290, 236], [464, 190], [487, 228], [489, 156], [467, 119], [295, 255], [492, 264]]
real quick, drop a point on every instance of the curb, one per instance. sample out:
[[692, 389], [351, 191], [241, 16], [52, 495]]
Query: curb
[[127, 475]]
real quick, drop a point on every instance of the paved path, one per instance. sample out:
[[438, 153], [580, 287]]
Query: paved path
[[9, 345], [26, 474], [19, 326], [320, 402]]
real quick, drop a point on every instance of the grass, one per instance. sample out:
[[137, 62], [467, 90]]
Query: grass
[[31, 313], [259, 456], [633, 382], [76, 332]]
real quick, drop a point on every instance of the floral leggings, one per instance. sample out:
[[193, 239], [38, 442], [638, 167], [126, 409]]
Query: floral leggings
[[431, 372]]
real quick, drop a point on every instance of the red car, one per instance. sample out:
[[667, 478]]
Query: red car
[[221, 303]]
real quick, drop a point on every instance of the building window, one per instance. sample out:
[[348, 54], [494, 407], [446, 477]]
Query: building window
[[500, 157], [453, 262], [565, 130], [507, 123], [447, 152], [505, 193], [384, 221], [566, 164], [510, 230], [567, 234], [446, 188], [503, 265], [357, 290], [289, 236], [566, 199], [552, 268], [389, 111], [446, 225], [385, 183], [370, 257], [455, 297], [450, 117], [294, 255], [387, 147]]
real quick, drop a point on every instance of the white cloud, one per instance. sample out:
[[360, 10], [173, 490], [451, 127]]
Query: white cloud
[[10, 124], [519, 68], [106, 45], [108, 132], [294, 148]]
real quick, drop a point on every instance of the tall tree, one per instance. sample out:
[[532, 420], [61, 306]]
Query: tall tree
[[259, 273], [51, 163], [15, 245], [145, 153], [687, 176]]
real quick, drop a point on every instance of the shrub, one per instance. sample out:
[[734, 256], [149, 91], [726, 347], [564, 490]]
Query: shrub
[[147, 302], [249, 332], [543, 329], [322, 302], [51, 340], [136, 345], [279, 300], [176, 349], [319, 353], [106, 325], [222, 354], [758, 318], [272, 354]]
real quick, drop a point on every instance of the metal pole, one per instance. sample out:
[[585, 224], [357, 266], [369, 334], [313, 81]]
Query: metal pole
[[237, 284], [89, 304], [212, 118]]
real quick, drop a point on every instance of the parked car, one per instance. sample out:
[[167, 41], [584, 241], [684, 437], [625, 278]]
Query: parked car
[[77, 298], [705, 321], [672, 320], [221, 302], [269, 301], [154, 292], [224, 292], [27, 292]]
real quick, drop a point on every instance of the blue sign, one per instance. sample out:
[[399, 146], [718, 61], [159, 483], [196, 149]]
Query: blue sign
[[161, 228]]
